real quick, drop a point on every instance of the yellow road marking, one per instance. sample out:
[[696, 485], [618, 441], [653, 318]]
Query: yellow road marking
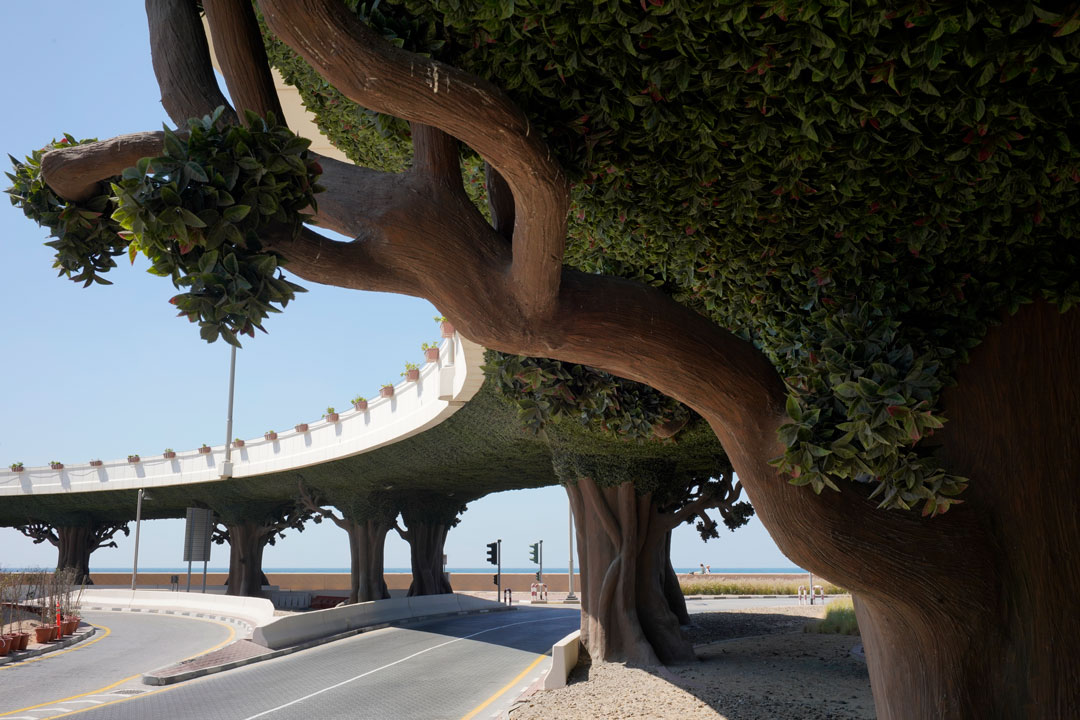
[[102, 690], [47, 656], [508, 685]]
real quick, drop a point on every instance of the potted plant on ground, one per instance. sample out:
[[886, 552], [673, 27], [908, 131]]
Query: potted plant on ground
[[205, 449], [56, 465], [301, 427], [133, 458], [168, 454], [237, 442], [386, 391], [431, 351], [412, 372], [16, 467], [96, 463], [445, 326], [360, 403], [270, 435], [331, 415]]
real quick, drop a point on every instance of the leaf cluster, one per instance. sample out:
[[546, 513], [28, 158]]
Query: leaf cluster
[[546, 390]]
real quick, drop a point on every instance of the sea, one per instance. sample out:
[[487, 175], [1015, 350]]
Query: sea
[[485, 569]]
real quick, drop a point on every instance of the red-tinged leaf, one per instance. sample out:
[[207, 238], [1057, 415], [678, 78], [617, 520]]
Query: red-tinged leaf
[[185, 248], [132, 252]]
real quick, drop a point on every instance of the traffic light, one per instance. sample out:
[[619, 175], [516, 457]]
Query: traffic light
[[495, 579], [534, 552], [493, 553], [537, 576]]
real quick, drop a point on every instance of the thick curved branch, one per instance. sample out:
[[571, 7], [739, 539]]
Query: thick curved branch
[[181, 60], [74, 173], [102, 534], [500, 202], [314, 507], [596, 500], [39, 533], [241, 55], [435, 154], [381, 77]]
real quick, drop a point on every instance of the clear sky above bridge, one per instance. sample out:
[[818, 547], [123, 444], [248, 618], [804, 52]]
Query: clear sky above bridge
[[104, 372]]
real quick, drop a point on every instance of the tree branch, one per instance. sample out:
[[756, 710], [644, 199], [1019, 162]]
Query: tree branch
[[181, 60], [500, 202], [381, 77], [241, 54], [74, 173], [310, 503], [598, 503], [435, 155], [39, 533]]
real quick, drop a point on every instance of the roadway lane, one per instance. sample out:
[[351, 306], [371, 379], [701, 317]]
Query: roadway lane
[[439, 669], [125, 645]]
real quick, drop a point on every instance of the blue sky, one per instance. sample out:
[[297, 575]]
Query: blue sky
[[103, 372]]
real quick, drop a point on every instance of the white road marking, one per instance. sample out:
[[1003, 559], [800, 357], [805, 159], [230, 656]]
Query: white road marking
[[396, 662]]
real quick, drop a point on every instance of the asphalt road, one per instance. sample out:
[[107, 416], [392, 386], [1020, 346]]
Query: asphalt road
[[440, 669], [125, 646]]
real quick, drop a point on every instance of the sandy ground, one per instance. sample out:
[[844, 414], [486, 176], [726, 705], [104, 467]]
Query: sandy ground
[[754, 665]]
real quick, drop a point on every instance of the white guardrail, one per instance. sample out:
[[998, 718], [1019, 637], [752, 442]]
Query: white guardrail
[[252, 611], [443, 387]]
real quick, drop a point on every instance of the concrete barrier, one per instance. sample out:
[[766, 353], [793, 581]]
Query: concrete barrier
[[282, 632], [253, 611], [564, 657]]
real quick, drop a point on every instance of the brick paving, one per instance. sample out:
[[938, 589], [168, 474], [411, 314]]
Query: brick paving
[[233, 652]]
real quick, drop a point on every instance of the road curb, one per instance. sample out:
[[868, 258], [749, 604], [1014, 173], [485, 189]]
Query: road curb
[[76, 638], [232, 620], [150, 678]]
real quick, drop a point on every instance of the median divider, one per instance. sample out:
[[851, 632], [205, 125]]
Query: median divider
[[290, 630], [564, 657], [247, 611]]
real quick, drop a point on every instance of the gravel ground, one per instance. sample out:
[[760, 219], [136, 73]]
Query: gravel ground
[[755, 665]]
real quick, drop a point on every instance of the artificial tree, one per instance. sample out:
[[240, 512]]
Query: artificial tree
[[75, 539], [805, 221]]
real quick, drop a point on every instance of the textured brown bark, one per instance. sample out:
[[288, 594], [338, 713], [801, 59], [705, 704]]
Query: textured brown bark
[[181, 60], [75, 543], [367, 541], [239, 49], [426, 540], [247, 540], [626, 615]]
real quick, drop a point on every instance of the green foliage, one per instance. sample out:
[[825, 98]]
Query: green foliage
[[86, 237], [858, 189], [720, 585], [546, 390], [197, 212], [839, 619]]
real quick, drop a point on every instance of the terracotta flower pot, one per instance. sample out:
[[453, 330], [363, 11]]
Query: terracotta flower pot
[[96, 463], [5, 645], [56, 466], [133, 458], [169, 455], [447, 329], [412, 375], [204, 450], [270, 436], [238, 443], [332, 417], [44, 633], [70, 626], [24, 641], [301, 428], [360, 406], [386, 392], [432, 354]]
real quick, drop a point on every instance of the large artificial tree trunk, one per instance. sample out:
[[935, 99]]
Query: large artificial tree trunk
[[367, 540], [426, 541], [627, 614], [972, 614], [247, 540], [74, 545]]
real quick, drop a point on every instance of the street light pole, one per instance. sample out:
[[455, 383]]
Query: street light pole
[[138, 520], [570, 575], [226, 469]]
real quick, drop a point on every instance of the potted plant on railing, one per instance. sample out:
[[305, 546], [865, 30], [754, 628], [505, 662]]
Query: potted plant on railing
[[331, 415], [205, 449], [96, 463], [270, 435], [360, 403], [412, 372], [301, 427], [16, 467], [386, 390], [237, 442], [431, 351], [133, 458], [168, 454], [445, 326], [56, 465]]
